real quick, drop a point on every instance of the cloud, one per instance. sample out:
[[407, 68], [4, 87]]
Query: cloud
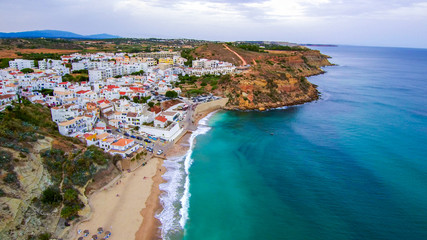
[[331, 21]]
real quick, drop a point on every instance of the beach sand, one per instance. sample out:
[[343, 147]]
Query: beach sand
[[150, 227], [121, 214], [131, 215]]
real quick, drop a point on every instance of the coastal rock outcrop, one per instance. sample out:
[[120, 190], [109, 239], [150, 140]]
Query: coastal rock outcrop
[[275, 78]]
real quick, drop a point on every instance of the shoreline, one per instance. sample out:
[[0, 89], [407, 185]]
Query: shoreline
[[151, 226], [128, 205]]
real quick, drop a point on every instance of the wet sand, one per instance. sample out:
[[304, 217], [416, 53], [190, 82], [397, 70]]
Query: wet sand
[[150, 227]]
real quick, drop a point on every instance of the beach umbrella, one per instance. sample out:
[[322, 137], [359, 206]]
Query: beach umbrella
[[86, 232], [94, 237], [100, 230]]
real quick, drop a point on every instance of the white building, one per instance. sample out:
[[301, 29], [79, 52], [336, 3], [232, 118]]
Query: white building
[[64, 112], [49, 63], [73, 126], [123, 147], [21, 64]]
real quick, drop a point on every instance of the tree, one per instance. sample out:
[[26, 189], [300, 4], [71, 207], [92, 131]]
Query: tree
[[44, 236], [11, 178], [124, 97], [151, 104], [68, 78], [51, 196], [69, 211], [136, 99], [138, 73], [27, 70], [171, 94], [70, 195]]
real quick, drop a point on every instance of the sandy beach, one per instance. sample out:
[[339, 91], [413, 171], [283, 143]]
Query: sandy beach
[[116, 207], [127, 207], [150, 227]]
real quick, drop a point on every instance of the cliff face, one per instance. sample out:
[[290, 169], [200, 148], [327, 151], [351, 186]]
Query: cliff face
[[19, 216], [43, 175], [275, 79]]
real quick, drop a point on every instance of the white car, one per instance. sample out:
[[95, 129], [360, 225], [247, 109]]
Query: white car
[[159, 152]]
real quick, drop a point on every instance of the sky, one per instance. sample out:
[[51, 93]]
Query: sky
[[398, 23]]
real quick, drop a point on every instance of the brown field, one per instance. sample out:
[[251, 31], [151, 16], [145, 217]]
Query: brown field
[[11, 53], [280, 52]]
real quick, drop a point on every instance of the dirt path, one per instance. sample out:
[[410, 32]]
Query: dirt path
[[241, 58]]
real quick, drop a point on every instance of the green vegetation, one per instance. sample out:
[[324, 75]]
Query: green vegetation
[[124, 97], [22, 124], [212, 80], [187, 79], [2, 193], [72, 170], [256, 47], [39, 56], [151, 104], [51, 196], [249, 47], [34, 43], [285, 48], [79, 78], [44, 236], [84, 71], [4, 62], [188, 54], [195, 92], [139, 73], [140, 99], [171, 94], [46, 92], [7, 168], [11, 177], [27, 70]]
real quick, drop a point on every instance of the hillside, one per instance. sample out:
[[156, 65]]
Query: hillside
[[43, 175], [274, 79]]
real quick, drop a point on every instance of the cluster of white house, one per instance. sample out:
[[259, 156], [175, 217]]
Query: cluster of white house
[[90, 110]]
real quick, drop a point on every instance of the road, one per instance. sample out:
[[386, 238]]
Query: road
[[244, 63]]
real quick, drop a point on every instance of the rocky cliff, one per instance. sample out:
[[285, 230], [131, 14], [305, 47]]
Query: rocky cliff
[[274, 78], [43, 175]]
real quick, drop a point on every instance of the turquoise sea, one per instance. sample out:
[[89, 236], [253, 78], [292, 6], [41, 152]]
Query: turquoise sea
[[352, 165]]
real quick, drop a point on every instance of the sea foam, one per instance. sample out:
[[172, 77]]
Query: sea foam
[[175, 198]]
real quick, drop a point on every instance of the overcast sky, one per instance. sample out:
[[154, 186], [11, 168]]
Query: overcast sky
[[356, 22]]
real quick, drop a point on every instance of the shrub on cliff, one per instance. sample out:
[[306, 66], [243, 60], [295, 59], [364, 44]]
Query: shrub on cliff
[[51, 196], [11, 177], [69, 211]]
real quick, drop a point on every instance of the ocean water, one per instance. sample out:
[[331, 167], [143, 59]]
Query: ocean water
[[352, 165]]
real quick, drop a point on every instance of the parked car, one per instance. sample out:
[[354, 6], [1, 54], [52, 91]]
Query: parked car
[[146, 140], [153, 138], [133, 136], [127, 134], [139, 138], [149, 149], [159, 152], [118, 130]]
